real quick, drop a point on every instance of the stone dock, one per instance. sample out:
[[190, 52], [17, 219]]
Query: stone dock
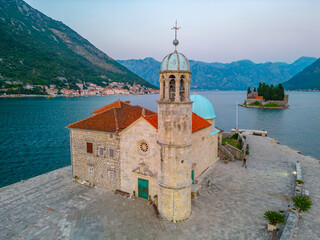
[[52, 206]]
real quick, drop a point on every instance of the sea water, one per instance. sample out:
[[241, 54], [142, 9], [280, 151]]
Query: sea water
[[34, 138]]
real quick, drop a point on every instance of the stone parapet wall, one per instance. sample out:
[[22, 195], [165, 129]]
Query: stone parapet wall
[[238, 154], [252, 101]]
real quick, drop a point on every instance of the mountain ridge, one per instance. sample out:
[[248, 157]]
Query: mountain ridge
[[308, 79], [236, 75], [37, 49]]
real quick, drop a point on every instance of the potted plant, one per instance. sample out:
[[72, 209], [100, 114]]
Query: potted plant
[[134, 194], [299, 182], [155, 200], [293, 209], [226, 160], [149, 200], [303, 202], [274, 218]]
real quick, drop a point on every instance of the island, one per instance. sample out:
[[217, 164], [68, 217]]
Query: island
[[266, 97]]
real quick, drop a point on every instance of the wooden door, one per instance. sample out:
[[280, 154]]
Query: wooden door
[[143, 188]]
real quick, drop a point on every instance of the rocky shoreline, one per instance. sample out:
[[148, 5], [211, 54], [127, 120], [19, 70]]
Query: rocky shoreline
[[262, 107]]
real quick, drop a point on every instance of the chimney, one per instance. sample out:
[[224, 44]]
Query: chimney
[[143, 112], [127, 102]]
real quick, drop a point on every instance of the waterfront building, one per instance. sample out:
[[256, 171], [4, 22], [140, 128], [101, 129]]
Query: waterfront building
[[138, 152]]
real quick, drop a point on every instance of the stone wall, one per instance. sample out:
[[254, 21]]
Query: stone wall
[[252, 101], [283, 103], [238, 154], [204, 150], [106, 169], [136, 163]]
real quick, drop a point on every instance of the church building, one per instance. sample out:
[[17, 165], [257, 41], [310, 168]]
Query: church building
[[146, 154]]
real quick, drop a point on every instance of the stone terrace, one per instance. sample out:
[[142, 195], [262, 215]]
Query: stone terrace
[[51, 206]]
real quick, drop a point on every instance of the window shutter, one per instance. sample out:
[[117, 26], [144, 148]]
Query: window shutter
[[89, 147], [111, 153]]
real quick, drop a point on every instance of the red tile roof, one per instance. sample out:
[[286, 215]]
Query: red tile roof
[[119, 115], [198, 122], [115, 117]]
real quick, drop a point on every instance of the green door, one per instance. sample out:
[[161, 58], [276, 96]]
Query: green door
[[192, 176], [143, 188]]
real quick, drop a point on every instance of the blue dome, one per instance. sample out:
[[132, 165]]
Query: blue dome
[[175, 62], [202, 107]]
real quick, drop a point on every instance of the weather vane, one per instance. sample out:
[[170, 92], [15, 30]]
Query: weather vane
[[175, 41]]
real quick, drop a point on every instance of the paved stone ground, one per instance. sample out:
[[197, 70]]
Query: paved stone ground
[[51, 206]]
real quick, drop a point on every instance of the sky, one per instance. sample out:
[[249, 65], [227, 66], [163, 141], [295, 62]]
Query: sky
[[211, 30]]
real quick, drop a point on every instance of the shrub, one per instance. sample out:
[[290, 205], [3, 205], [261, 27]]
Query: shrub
[[75, 177], [271, 105], [256, 103], [300, 181], [245, 137], [247, 150], [274, 217], [235, 136], [303, 202]]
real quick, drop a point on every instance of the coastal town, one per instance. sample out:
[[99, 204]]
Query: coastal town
[[75, 90]]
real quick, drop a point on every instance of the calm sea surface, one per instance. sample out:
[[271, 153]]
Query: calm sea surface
[[34, 140]]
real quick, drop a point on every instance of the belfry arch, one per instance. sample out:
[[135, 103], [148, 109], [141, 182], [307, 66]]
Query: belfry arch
[[172, 88]]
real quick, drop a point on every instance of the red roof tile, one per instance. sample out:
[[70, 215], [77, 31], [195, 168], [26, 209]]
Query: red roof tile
[[116, 104], [119, 115], [198, 122], [111, 118]]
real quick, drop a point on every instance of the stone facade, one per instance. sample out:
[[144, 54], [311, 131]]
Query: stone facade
[[204, 151], [102, 171], [136, 163]]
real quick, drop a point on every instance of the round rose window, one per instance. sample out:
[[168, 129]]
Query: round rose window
[[144, 147]]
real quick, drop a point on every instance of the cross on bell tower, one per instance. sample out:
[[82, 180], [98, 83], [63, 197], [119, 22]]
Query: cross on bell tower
[[175, 41]]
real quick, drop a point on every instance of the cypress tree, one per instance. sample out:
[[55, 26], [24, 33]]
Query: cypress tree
[[272, 93], [260, 90], [281, 91], [249, 90], [254, 89]]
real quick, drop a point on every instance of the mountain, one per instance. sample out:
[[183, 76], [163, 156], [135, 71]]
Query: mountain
[[237, 75], [307, 79], [37, 49]]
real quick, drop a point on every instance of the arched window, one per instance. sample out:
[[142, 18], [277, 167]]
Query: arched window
[[182, 88], [163, 88], [172, 88]]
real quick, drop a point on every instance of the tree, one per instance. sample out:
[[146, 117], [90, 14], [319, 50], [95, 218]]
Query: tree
[[281, 91], [260, 90], [254, 89], [272, 93], [249, 90]]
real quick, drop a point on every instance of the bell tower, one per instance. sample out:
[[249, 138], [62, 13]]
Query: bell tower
[[174, 131]]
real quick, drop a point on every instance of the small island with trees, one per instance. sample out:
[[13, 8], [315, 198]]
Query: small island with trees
[[267, 97]]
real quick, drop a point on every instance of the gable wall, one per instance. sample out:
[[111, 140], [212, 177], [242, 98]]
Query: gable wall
[[131, 156]]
